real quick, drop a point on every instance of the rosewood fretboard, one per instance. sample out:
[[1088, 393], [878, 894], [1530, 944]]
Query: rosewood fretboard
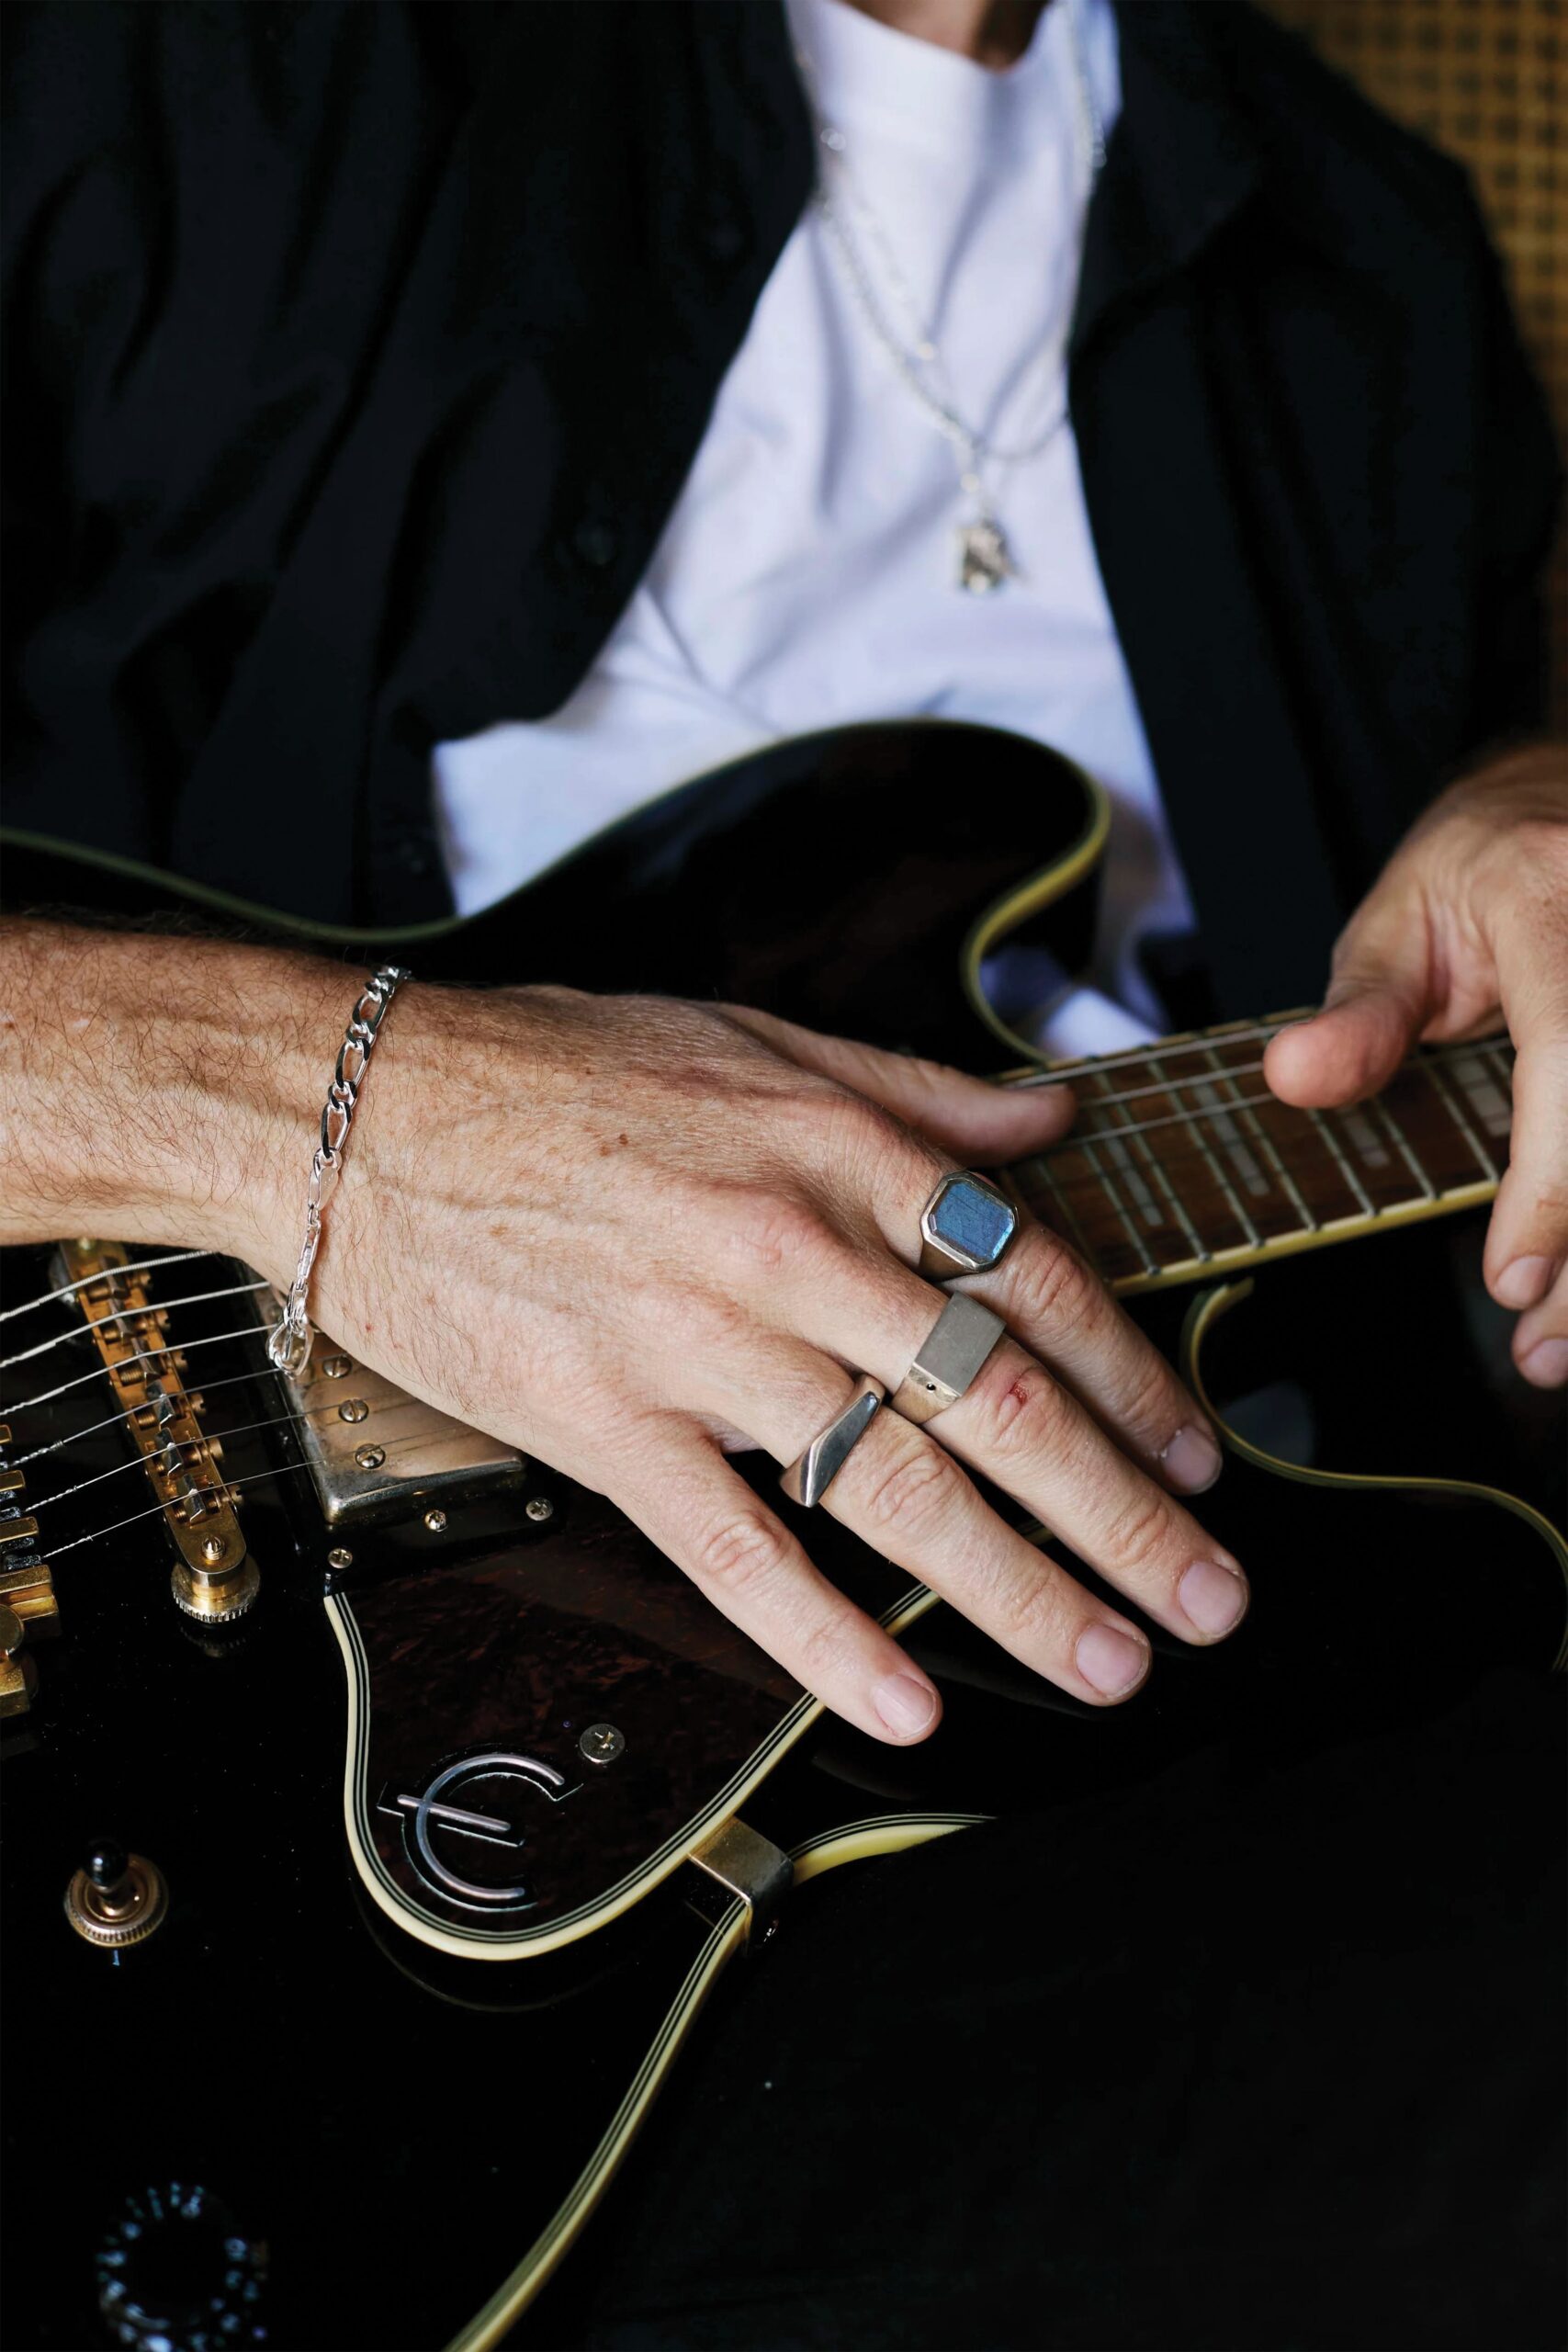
[[1181, 1163]]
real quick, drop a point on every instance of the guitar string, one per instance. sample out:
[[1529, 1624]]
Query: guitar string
[[140, 1266], [1221, 1110], [112, 1420], [1185, 1119], [239, 1429], [124, 1314], [143, 1355], [159, 1510]]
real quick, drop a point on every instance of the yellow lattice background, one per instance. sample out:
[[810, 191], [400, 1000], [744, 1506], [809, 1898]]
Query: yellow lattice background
[[1488, 80]]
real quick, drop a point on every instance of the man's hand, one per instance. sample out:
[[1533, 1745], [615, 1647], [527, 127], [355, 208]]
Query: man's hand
[[1468, 926], [628, 1235]]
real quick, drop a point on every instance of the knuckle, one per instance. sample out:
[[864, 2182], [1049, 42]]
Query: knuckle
[[1139, 1532], [1053, 1286], [1021, 1410], [916, 1491], [773, 1232], [741, 1553], [1147, 1398]]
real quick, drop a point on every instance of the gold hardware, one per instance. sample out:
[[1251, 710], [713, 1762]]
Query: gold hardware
[[213, 1579], [436, 1521], [29, 1591], [18, 1530], [354, 1408], [749, 1865], [18, 1676], [5, 1433], [11, 1482], [340, 1556], [126, 1911]]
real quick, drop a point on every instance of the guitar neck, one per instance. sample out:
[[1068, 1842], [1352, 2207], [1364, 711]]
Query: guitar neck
[[1181, 1164]]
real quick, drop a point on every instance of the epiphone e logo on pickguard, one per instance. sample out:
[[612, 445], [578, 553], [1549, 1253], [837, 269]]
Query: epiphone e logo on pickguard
[[463, 1828]]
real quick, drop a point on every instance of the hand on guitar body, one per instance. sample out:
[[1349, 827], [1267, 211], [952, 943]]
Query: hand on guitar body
[[1468, 922], [628, 1235]]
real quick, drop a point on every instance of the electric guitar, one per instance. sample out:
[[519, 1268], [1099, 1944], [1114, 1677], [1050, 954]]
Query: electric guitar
[[383, 1807]]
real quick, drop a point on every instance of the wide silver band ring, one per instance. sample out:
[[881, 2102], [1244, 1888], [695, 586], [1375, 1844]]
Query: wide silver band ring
[[956, 1346], [809, 1477], [966, 1226]]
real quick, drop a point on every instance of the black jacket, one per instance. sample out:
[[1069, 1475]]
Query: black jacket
[[357, 353]]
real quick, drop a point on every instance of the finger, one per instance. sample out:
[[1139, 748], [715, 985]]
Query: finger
[[907, 1497], [970, 1117], [1541, 1338], [1031, 1437], [705, 1516], [1379, 1001], [1527, 1244]]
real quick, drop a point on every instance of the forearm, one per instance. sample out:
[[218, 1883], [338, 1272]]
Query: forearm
[[157, 1089]]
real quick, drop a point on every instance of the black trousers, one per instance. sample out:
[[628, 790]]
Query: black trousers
[[1210, 2063]]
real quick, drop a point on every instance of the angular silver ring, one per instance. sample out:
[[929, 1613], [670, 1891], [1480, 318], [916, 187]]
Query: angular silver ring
[[956, 1346], [966, 1226], [808, 1479]]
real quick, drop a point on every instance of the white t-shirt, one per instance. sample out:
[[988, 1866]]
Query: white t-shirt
[[806, 576]]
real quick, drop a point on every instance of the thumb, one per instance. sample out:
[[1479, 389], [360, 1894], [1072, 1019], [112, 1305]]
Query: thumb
[[1378, 1001], [973, 1118]]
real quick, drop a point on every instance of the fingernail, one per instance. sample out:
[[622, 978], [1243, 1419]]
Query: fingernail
[[1547, 1366], [1523, 1283], [1215, 1598], [1191, 1460], [905, 1703], [1113, 1661]]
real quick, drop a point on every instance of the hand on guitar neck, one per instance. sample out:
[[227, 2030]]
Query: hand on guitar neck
[[626, 1236], [1469, 920]]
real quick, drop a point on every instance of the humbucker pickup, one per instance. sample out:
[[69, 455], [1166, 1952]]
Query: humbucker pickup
[[373, 1450]]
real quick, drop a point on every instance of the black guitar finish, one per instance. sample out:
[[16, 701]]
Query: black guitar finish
[[281, 2119]]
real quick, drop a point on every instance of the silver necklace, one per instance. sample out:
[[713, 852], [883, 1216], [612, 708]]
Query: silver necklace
[[984, 558]]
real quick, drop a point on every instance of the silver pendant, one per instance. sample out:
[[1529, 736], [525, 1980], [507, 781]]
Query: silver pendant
[[983, 558]]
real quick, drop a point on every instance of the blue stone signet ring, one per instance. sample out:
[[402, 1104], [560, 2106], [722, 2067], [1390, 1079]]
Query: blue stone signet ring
[[965, 1227], [808, 1479]]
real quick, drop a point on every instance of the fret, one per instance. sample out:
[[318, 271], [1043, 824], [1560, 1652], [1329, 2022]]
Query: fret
[[1182, 1172], [1306, 1223], [1429, 1190], [1060, 1201], [1113, 1194], [1183, 1232], [1200, 1128], [1342, 1161], [1433, 1072]]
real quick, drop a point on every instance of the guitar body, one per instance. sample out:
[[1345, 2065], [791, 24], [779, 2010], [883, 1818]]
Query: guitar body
[[365, 2082]]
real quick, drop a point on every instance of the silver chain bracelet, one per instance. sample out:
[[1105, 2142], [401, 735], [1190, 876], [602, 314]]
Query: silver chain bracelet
[[288, 1343]]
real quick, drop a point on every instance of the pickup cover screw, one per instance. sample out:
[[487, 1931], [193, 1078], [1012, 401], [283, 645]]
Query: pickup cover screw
[[436, 1521], [212, 1551], [601, 1743], [340, 1556], [334, 1367], [354, 1408], [370, 1457], [538, 1507]]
